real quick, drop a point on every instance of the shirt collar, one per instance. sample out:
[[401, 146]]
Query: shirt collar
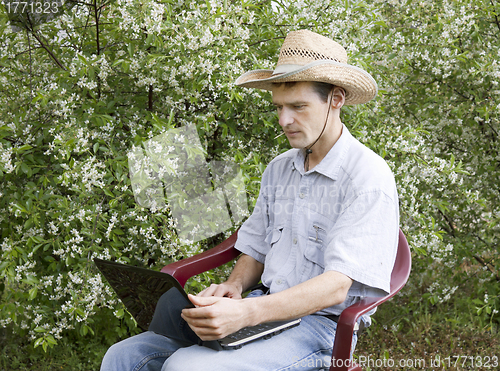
[[330, 164]]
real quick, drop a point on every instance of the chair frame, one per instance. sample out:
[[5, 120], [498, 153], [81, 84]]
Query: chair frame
[[223, 253]]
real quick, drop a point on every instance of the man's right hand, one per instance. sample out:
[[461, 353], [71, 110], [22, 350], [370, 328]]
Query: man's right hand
[[225, 289]]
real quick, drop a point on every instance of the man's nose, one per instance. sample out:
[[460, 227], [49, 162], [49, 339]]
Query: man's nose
[[285, 117]]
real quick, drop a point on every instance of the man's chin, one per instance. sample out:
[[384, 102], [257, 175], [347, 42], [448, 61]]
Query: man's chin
[[297, 144]]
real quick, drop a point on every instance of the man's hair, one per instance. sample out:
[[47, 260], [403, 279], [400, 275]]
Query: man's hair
[[323, 89]]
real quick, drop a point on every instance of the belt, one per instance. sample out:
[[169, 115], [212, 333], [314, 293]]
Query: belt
[[357, 326], [333, 317]]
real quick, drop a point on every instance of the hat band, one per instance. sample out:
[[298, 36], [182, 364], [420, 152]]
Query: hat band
[[286, 68]]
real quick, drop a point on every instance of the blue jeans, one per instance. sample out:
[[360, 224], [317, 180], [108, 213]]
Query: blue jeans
[[304, 347]]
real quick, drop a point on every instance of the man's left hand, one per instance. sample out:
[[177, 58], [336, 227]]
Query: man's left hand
[[215, 317]]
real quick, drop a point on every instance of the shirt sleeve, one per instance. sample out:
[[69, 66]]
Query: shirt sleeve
[[363, 243]]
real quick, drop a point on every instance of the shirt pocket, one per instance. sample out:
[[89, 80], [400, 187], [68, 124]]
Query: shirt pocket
[[314, 254]]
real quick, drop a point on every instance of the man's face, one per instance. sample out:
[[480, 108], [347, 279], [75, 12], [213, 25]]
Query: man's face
[[301, 112]]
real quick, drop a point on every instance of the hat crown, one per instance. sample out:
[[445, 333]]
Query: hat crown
[[304, 46]]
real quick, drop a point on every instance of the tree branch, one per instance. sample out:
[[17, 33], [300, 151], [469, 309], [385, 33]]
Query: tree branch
[[96, 16], [485, 264], [85, 28], [449, 222], [31, 29], [150, 98], [263, 41], [31, 64], [48, 50], [497, 21], [98, 45]]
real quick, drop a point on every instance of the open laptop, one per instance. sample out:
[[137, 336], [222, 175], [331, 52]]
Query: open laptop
[[156, 298]]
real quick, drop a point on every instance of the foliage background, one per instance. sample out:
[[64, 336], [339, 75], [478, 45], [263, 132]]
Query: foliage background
[[79, 91]]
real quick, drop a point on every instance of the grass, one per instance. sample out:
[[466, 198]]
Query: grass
[[439, 337], [17, 354], [434, 338], [444, 347]]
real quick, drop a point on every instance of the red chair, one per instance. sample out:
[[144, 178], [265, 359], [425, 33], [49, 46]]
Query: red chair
[[225, 252]]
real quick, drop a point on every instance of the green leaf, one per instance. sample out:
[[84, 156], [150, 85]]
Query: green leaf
[[38, 342], [108, 192], [32, 293], [3, 265], [50, 339], [25, 168], [83, 59], [23, 148]]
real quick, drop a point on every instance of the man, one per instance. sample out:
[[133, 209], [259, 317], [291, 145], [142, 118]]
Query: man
[[323, 233]]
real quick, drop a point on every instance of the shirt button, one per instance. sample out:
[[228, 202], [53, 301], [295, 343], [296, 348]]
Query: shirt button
[[279, 281], [302, 195], [295, 241]]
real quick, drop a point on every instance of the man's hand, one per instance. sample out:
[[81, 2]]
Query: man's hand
[[215, 317], [220, 310], [223, 290]]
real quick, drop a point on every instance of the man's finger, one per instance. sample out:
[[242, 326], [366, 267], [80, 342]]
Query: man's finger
[[208, 291], [219, 290], [203, 301]]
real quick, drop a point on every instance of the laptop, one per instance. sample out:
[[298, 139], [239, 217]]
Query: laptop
[[156, 298]]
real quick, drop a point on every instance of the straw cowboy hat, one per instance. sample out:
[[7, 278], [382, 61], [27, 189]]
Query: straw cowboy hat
[[307, 56]]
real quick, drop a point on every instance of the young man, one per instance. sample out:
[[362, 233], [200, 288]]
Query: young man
[[323, 233]]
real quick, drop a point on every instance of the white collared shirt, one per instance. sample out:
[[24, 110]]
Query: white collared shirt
[[342, 215]]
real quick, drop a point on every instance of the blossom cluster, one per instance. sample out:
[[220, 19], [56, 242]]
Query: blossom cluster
[[70, 117]]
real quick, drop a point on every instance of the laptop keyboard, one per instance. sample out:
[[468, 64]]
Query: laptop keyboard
[[253, 330]]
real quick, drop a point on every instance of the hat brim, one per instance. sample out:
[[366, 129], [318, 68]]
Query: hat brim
[[359, 85]]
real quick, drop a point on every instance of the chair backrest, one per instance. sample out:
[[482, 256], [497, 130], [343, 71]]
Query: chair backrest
[[402, 265]]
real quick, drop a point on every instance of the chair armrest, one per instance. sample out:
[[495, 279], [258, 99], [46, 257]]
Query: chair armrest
[[345, 327], [223, 253]]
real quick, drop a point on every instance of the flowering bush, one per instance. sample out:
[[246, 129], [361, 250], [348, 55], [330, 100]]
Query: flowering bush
[[81, 90], [441, 80]]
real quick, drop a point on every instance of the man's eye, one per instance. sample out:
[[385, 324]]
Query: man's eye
[[298, 107]]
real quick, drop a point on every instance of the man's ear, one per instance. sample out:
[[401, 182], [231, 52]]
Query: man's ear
[[338, 97]]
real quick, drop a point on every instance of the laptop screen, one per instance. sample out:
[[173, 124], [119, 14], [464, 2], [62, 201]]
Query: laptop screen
[[139, 289]]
